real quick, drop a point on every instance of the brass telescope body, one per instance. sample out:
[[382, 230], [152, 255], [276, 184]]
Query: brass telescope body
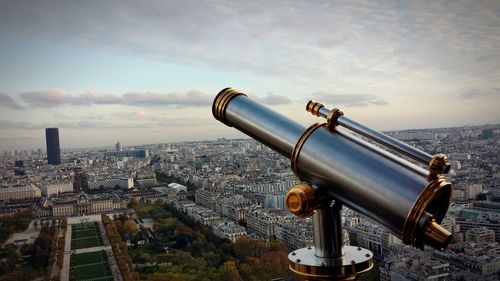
[[339, 168]]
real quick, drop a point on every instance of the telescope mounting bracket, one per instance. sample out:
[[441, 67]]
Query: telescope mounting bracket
[[328, 259]]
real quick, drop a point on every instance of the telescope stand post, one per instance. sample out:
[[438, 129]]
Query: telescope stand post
[[327, 231], [329, 259]]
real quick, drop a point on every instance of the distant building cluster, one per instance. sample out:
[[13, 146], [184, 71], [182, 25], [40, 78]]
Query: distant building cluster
[[237, 188], [20, 192]]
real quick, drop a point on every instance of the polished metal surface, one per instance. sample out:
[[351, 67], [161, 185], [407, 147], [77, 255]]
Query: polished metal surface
[[320, 110], [323, 112], [272, 129], [327, 231], [438, 165], [386, 140], [431, 205], [363, 177], [298, 146], [307, 265], [301, 200], [388, 189]]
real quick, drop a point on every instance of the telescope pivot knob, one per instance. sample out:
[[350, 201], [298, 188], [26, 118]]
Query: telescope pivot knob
[[301, 200], [438, 165]]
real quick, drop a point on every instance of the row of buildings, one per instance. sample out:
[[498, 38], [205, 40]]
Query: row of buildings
[[244, 182]]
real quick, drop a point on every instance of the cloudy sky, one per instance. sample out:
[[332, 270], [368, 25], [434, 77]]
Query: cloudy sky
[[147, 71]]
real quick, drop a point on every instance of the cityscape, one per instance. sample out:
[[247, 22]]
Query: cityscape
[[222, 140], [118, 213]]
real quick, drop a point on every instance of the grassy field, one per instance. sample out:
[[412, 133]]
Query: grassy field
[[90, 266], [85, 235]]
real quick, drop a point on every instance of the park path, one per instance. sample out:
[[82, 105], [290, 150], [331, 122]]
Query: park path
[[111, 256], [92, 249], [67, 255], [55, 268]]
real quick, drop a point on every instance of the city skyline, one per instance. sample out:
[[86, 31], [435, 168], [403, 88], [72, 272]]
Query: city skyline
[[148, 72], [236, 189]]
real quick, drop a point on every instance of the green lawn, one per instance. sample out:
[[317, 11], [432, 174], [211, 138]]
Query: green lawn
[[82, 243], [85, 235], [90, 266], [86, 258]]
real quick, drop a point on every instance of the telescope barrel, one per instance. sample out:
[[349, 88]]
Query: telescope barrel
[[270, 128], [374, 135], [384, 139], [390, 190]]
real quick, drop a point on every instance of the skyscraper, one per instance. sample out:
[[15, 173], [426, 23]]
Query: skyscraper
[[118, 146], [80, 180], [53, 149]]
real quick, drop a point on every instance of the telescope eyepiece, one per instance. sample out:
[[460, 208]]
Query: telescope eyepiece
[[314, 108], [432, 233]]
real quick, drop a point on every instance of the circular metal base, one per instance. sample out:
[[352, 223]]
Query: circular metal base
[[354, 261]]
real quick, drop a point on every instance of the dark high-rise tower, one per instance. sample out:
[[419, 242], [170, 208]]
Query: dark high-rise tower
[[53, 150], [80, 180]]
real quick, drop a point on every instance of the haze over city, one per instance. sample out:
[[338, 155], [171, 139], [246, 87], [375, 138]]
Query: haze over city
[[147, 72]]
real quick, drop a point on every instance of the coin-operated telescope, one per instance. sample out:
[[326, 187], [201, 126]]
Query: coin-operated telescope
[[339, 168]]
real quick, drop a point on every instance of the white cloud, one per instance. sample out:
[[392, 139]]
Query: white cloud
[[93, 97], [58, 97], [349, 100], [85, 124], [352, 43], [481, 93], [7, 102], [192, 98], [272, 99], [50, 98], [380, 52]]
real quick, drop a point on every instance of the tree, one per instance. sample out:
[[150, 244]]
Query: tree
[[229, 272], [145, 258], [130, 226], [105, 219], [135, 275], [213, 259], [134, 202], [246, 247], [166, 227]]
